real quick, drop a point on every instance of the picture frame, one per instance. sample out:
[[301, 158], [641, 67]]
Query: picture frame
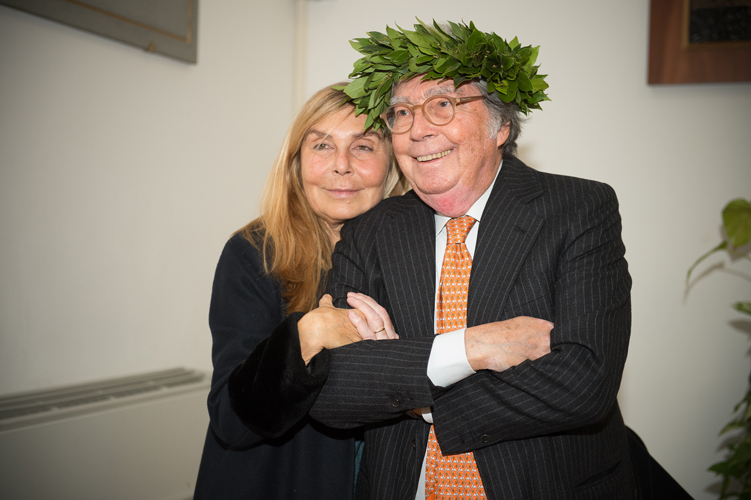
[[167, 27], [673, 60]]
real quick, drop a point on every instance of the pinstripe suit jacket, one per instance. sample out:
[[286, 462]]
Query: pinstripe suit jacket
[[549, 247]]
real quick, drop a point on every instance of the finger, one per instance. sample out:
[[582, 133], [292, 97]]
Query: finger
[[382, 313], [326, 301], [361, 325], [375, 322]]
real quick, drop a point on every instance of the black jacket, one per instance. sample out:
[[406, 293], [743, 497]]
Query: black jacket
[[275, 451]]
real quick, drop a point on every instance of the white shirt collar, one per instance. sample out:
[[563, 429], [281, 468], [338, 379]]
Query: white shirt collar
[[477, 208]]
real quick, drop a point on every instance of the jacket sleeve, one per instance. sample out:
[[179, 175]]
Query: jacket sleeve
[[369, 381], [260, 386]]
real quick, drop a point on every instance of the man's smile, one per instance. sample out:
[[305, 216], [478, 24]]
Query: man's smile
[[433, 156]]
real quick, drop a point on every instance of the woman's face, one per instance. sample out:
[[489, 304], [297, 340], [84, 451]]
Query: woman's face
[[344, 168]]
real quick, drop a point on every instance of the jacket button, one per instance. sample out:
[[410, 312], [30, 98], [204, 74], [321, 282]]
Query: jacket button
[[396, 403], [485, 438]]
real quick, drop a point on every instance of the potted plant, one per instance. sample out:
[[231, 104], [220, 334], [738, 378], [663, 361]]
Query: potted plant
[[736, 468]]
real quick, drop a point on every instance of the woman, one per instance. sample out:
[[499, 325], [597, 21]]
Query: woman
[[328, 171]]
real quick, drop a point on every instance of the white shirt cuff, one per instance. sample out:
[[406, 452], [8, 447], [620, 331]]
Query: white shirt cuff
[[448, 362]]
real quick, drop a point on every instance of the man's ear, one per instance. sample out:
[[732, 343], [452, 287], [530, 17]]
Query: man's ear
[[503, 135]]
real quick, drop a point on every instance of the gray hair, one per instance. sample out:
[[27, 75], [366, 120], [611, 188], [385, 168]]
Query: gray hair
[[501, 114]]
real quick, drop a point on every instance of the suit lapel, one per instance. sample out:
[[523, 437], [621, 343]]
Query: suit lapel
[[406, 250], [508, 230]]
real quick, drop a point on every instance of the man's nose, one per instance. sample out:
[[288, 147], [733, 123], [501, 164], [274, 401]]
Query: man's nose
[[421, 127]]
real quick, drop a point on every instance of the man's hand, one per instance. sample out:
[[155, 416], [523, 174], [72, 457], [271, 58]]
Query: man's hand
[[499, 346], [325, 328], [377, 323]]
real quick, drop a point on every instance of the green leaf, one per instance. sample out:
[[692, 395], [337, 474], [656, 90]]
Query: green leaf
[[399, 57], [379, 37], [441, 63], [445, 36], [417, 39], [720, 468], [364, 42], [427, 49], [533, 56], [524, 83], [456, 30], [514, 43], [475, 39], [369, 120], [737, 219], [731, 426], [744, 307], [721, 246], [355, 88], [395, 36], [539, 84], [510, 93]]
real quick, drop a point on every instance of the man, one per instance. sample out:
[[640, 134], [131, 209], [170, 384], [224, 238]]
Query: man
[[540, 246]]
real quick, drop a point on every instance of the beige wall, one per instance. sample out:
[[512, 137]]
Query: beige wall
[[122, 173], [674, 154]]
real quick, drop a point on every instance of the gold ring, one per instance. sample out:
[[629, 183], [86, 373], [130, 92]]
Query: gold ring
[[379, 331]]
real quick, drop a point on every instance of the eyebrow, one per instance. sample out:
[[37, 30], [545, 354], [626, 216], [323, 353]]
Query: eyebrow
[[429, 93], [356, 136]]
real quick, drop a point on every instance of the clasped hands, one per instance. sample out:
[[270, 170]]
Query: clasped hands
[[493, 346]]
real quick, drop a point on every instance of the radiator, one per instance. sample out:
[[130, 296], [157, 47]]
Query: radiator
[[128, 438]]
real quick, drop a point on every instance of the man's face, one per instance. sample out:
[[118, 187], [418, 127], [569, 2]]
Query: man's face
[[448, 166]]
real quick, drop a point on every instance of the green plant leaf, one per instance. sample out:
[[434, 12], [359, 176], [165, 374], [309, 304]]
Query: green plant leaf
[[455, 29], [731, 426], [474, 39], [744, 307], [355, 88], [395, 37], [417, 39], [524, 83], [721, 246], [399, 57], [737, 219], [379, 37]]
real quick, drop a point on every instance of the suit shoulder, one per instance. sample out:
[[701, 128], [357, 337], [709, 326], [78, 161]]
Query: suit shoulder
[[556, 186], [395, 206]]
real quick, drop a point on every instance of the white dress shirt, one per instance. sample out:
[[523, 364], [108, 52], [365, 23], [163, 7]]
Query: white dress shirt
[[448, 363]]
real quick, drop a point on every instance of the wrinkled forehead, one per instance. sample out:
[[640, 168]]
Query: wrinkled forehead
[[414, 91]]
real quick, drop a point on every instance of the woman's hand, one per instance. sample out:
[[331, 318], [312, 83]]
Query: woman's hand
[[325, 328], [328, 327], [373, 323]]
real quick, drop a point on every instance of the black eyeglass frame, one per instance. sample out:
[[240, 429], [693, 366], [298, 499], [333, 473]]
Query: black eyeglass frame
[[455, 101]]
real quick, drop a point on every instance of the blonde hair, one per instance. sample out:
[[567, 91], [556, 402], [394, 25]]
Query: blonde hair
[[295, 243]]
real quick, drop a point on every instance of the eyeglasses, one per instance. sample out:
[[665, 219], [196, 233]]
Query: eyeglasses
[[438, 110]]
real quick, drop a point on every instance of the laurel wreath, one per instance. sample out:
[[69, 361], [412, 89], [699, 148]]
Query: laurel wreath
[[464, 54]]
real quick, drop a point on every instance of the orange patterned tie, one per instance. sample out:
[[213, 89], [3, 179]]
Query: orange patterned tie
[[454, 476]]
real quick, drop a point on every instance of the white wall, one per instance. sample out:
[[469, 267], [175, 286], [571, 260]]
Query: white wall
[[674, 154], [122, 174]]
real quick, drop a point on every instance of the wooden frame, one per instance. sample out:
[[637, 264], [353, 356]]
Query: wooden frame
[[671, 60], [167, 27]]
